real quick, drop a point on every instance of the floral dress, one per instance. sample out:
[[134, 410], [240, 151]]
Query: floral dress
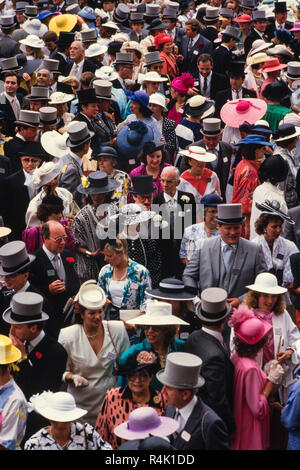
[[121, 192]]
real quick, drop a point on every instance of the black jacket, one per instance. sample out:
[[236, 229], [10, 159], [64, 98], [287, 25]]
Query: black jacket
[[202, 46], [16, 203], [226, 95], [218, 83]]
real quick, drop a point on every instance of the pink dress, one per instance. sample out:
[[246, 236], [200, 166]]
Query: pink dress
[[251, 408]]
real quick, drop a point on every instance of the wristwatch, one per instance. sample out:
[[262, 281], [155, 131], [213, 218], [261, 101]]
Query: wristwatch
[[88, 253]]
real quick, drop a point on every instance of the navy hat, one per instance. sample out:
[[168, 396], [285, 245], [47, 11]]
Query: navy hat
[[143, 184], [149, 443], [87, 96], [156, 24], [170, 289], [211, 200], [98, 183], [132, 137], [253, 140], [33, 149], [105, 151]]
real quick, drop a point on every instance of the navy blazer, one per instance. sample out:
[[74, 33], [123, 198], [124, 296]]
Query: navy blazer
[[202, 46]]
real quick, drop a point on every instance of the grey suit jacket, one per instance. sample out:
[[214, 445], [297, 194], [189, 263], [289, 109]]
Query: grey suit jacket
[[203, 270], [70, 177], [292, 231]]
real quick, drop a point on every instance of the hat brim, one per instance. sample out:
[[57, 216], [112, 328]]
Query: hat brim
[[76, 144], [181, 296], [134, 219], [157, 320], [161, 377], [266, 209], [239, 220], [111, 186], [7, 318], [212, 320], [271, 290], [232, 118], [52, 145], [51, 123], [209, 157], [6, 273], [13, 356], [66, 100], [5, 231], [281, 139], [199, 110], [61, 416], [167, 427], [272, 69], [29, 124]]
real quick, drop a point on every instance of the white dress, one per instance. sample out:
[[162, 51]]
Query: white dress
[[97, 369]]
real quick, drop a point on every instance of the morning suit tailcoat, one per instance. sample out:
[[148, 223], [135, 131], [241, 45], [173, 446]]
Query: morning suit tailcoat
[[184, 215], [16, 203], [223, 164], [135, 37], [206, 267], [204, 430], [292, 231], [88, 66], [226, 95], [218, 372], [10, 117], [70, 178], [102, 127], [42, 273], [8, 47], [12, 148], [210, 33], [218, 83], [201, 46], [222, 58], [64, 65]]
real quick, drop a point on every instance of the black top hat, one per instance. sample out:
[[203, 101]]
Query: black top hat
[[280, 7], [143, 184], [64, 88], [65, 38], [87, 96], [33, 149], [156, 24], [105, 151], [236, 69], [98, 183]]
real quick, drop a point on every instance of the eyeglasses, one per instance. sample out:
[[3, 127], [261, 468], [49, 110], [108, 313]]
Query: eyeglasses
[[154, 328], [31, 160], [138, 375], [60, 239]]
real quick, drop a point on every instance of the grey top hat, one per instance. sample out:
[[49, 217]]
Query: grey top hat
[[31, 11], [50, 64], [103, 89], [14, 258], [214, 306], [25, 307], [7, 21], [259, 15], [71, 2], [230, 214], [248, 4], [11, 63], [231, 31], [226, 12], [136, 17], [48, 116], [182, 371], [72, 9], [29, 118], [169, 13], [39, 93], [152, 10], [88, 35], [124, 58], [293, 70], [152, 58], [121, 13], [211, 14], [211, 126], [78, 134], [20, 6]]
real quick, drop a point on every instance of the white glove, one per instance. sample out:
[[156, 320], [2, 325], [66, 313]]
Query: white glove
[[276, 373], [79, 381]]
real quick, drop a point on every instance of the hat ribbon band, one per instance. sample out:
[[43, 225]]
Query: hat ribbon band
[[48, 123], [14, 268], [24, 318], [170, 287], [238, 220], [194, 152], [292, 75], [211, 132], [78, 142], [216, 316]]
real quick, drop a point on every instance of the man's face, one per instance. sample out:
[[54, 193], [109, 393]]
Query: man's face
[[23, 332], [230, 233], [76, 51], [155, 68], [205, 68], [104, 106], [36, 105], [90, 110], [281, 17], [108, 6], [189, 32], [126, 71], [174, 396], [211, 141], [143, 200], [50, 45], [30, 163], [29, 133], [236, 82], [57, 241], [169, 182], [43, 78], [20, 16], [172, 24], [137, 27], [11, 85], [16, 281], [260, 25]]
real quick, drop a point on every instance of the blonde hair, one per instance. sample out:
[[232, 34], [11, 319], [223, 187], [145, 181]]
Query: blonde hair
[[117, 245], [252, 297]]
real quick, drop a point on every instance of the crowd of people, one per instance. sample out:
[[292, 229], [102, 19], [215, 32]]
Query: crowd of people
[[149, 225]]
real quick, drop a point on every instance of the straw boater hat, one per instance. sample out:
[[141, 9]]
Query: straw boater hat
[[8, 352], [199, 154], [170, 289], [234, 113], [14, 258], [158, 99], [90, 295], [25, 307], [59, 406], [182, 371], [151, 77], [58, 97], [230, 214], [157, 313], [133, 214], [266, 283], [199, 106], [214, 306], [285, 132]]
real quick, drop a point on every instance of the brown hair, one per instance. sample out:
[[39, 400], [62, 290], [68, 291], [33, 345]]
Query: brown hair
[[252, 297], [248, 350], [263, 220]]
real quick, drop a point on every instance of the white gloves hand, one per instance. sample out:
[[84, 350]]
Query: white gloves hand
[[79, 381], [276, 372]]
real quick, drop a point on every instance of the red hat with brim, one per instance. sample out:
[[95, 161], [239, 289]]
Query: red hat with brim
[[236, 112], [162, 38], [242, 19], [271, 65]]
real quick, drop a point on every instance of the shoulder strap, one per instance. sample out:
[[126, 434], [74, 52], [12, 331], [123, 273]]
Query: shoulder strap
[[110, 335]]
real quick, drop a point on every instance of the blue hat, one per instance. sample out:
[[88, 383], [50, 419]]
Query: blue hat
[[254, 140], [140, 97], [132, 137], [211, 200], [87, 13], [45, 14]]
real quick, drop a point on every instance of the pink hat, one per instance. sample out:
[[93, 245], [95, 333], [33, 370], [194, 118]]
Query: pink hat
[[271, 65], [247, 327], [242, 19], [183, 83], [236, 112], [144, 421], [296, 26]]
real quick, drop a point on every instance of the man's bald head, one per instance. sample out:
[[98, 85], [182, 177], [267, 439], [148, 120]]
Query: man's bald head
[[170, 179]]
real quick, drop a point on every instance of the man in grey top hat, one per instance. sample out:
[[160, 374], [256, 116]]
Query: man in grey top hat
[[8, 46], [124, 68], [169, 17], [227, 260], [136, 22], [222, 55], [200, 428]]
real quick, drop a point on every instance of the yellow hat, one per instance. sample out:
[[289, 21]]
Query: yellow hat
[[62, 23], [8, 352]]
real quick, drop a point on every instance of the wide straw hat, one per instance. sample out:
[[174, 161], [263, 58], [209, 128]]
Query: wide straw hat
[[257, 58], [182, 371], [64, 23], [32, 41], [280, 49], [144, 421], [285, 132], [157, 313], [199, 154], [234, 113], [151, 77], [266, 283], [46, 173], [54, 143], [8, 352], [59, 406], [133, 214], [214, 306], [58, 97], [90, 295], [25, 307], [5, 231], [170, 289]]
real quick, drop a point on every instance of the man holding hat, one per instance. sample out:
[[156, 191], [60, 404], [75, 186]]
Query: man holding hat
[[227, 261], [208, 344], [199, 426]]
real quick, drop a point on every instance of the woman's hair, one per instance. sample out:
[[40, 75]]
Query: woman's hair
[[252, 297], [148, 149], [51, 204], [263, 220], [248, 350], [145, 112], [117, 245], [86, 79], [36, 52], [248, 151], [170, 332]]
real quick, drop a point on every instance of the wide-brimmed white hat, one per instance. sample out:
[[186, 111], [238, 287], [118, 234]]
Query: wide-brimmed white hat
[[159, 99], [58, 97], [32, 41], [46, 173], [35, 27], [134, 45], [259, 45], [106, 73], [94, 50], [266, 283], [111, 24], [59, 406], [157, 313], [54, 143], [133, 214], [90, 295], [151, 77], [199, 154]]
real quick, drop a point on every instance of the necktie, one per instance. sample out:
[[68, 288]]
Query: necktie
[[76, 70], [190, 45], [228, 255], [58, 267], [205, 86], [27, 344], [15, 107]]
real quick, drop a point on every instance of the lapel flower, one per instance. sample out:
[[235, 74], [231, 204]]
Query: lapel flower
[[157, 218], [185, 199], [70, 260], [85, 182], [156, 399], [199, 44], [38, 355]]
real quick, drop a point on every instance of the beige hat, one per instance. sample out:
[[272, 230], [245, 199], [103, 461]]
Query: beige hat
[[159, 99], [199, 154], [257, 58], [32, 41], [58, 97], [151, 77], [4, 232], [95, 49], [8, 352], [90, 295], [157, 313], [266, 283]]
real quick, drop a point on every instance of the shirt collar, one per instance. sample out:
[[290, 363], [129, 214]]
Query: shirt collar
[[49, 253], [187, 410], [234, 246], [34, 342], [76, 158], [10, 98], [215, 334], [23, 289], [169, 198]]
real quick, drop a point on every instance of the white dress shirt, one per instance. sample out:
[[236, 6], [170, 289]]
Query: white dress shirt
[[186, 412], [34, 342], [208, 80], [76, 70]]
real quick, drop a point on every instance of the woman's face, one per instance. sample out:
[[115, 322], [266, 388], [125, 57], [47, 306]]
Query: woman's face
[[135, 108], [155, 335], [51, 186], [111, 257], [97, 199], [273, 229], [168, 48], [267, 302], [152, 87], [154, 160], [210, 215], [139, 381], [174, 93], [61, 109], [106, 164], [260, 154], [156, 109], [92, 318], [196, 167]]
